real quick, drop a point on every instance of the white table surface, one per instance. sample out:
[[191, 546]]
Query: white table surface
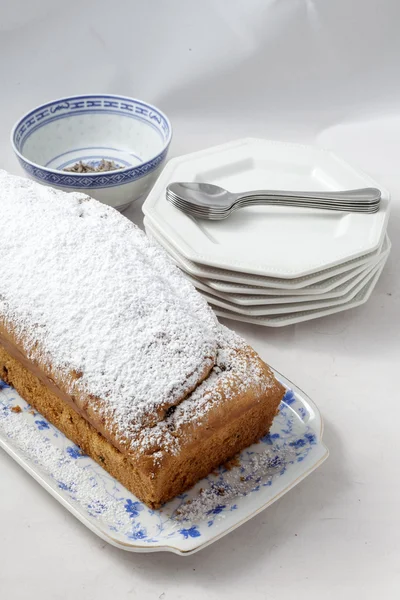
[[314, 71]]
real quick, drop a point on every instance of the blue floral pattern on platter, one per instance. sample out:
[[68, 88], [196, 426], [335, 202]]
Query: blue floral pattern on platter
[[216, 505]]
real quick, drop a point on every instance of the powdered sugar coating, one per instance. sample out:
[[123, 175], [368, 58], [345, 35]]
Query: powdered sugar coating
[[88, 293]]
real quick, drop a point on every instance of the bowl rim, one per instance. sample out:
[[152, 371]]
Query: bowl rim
[[96, 174]]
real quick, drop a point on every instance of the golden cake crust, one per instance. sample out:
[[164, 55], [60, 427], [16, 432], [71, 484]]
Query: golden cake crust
[[160, 474]]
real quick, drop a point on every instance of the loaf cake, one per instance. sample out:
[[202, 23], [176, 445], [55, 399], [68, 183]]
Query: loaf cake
[[104, 336]]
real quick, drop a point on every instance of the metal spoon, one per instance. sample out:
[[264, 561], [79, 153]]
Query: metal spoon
[[213, 202], [216, 213]]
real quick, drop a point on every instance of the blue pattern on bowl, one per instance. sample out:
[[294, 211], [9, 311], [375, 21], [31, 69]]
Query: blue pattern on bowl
[[51, 112]]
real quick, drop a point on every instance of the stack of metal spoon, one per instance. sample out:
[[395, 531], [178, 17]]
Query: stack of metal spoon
[[208, 201]]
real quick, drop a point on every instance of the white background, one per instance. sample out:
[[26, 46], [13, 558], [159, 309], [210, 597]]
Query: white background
[[319, 71]]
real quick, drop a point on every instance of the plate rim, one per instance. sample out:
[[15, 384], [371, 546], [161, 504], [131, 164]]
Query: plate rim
[[282, 299], [351, 294], [286, 284], [299, 317]]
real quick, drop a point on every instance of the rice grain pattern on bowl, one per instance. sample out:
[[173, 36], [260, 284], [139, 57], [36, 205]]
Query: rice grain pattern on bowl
[[128, 132]]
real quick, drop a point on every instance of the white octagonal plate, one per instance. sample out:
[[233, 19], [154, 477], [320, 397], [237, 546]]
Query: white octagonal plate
[[270, 241], [257, 296], [316, 283]]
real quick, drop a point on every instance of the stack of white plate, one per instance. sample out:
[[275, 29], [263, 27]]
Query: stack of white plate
[[268, 265]]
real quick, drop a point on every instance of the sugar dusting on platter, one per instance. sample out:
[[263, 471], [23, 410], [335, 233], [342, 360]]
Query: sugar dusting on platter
[[217, 504]]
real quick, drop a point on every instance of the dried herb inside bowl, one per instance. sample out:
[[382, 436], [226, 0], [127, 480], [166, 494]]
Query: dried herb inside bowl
[[82, 167]]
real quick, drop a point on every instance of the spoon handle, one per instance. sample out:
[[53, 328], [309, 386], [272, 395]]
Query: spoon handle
[[306, 203], [362, 196]]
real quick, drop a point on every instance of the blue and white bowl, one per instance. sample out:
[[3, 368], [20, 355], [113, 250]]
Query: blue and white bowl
[[133, 134]]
